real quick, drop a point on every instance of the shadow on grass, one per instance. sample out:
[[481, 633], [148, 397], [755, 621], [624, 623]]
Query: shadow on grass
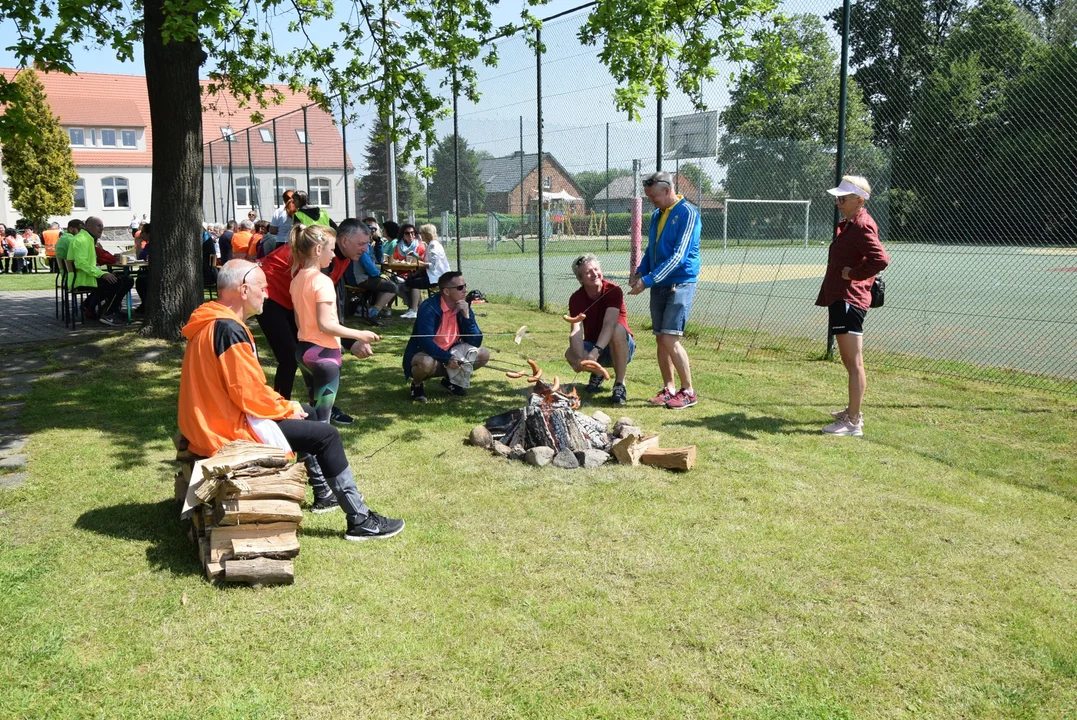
[[156, 523], [743, 427]]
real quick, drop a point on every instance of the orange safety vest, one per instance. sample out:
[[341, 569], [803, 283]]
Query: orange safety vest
[[50, 238]]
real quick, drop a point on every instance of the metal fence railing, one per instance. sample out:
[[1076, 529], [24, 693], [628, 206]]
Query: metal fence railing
[[962, 122]]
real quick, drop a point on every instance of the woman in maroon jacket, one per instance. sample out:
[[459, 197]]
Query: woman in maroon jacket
[[856, 256]]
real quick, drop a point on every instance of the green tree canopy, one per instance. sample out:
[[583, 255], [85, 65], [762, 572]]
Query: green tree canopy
[[374, 186], [592, 182], [40, 171], [443, 184]]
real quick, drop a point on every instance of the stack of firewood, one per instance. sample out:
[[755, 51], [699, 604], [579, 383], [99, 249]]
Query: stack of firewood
[[244, 509]]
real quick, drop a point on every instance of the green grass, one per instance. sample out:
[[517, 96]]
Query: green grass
[[923, 570], [41, 280]]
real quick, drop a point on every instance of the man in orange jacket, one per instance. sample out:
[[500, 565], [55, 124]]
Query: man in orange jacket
[[224, 397]]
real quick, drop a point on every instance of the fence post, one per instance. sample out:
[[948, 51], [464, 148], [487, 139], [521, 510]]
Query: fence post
[[231, 181], [658, 139], [250, 174], [606, 211], [212, 184], [523, 203], [344, 144], [276, 167], [541, 215], [456, 162], [839, 160], [306, 147]]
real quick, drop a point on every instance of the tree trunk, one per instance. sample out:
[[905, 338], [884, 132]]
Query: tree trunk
[[175, 96]]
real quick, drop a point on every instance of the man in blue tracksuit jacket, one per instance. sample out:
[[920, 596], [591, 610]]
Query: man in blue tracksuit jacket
[[445, 337], [670, 268]]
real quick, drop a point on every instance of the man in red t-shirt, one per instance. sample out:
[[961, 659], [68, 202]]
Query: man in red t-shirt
[[603, 335]]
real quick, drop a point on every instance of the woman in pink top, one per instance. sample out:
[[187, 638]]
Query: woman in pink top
[[315, 302]]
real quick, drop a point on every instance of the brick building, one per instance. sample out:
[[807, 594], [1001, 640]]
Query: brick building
[[505, 177]]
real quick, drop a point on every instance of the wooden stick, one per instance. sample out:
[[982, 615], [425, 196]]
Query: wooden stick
[[671, 458]]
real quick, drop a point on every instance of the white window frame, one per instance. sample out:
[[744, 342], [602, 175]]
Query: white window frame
[[123, 138], [113, 184], [547, 182], [321, 192], [107, 144], [281, 184], [71, 140], [304, 139], [266, 134], [244, 185], [80, 185]]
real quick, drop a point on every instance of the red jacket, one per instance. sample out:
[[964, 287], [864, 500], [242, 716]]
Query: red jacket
[[857, 246], [277, 267]]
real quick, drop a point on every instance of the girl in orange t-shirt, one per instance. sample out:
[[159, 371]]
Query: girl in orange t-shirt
[[315, 301]]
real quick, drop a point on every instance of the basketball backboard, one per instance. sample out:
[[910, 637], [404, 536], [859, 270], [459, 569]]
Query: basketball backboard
[[691, 136]]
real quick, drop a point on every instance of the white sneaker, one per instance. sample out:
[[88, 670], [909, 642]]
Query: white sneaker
[[845, 426], [410, 315]]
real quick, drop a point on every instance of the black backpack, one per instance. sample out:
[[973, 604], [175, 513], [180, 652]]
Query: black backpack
[[878, 291]]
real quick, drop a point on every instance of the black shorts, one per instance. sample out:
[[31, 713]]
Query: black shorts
[[846, 318], [418, 281]]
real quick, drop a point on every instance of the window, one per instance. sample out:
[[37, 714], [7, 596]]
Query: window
[[246, 192], [76, 136], [283, 184], [108, 137], [114, 191], [80, 194], [128, 138], [267, 135], [547, 182], [319, 192], [302, 135], [229, 134]]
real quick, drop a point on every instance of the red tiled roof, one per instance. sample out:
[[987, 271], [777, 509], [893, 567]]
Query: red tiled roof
[[121, 101]]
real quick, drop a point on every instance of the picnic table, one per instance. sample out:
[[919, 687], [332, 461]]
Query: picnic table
[[127, 269]]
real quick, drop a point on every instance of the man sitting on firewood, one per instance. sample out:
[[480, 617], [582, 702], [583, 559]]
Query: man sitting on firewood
[[445, 340], [605, 337], [224, 397]]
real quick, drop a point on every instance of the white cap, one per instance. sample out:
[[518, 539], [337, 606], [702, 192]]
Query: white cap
[[847, 188]]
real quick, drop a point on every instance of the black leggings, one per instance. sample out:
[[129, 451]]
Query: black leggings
[[109, 295], [278, 325], [318, 439]]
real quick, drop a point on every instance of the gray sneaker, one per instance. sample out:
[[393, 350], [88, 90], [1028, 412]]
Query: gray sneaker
[[846, 426], [374, 527], [620, 394], [113, 320]]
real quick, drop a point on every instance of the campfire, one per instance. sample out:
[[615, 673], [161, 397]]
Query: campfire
[[550, 430]]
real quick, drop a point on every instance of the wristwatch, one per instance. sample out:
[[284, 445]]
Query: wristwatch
[[600, 349]]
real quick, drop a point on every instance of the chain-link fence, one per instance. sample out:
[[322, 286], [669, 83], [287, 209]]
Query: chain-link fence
[[962, 119]]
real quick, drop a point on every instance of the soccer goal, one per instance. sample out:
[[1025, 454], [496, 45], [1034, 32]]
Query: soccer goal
[[730, 201]]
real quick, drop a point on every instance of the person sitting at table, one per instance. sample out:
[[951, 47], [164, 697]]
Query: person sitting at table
[[110, 289], [241, 239], [408, 249], [103, 256], [437, 263], [63, 245], [49, 238], [223, 396], [142, 280], [365, 277], [377, 242], [445, 341], [603, 336]]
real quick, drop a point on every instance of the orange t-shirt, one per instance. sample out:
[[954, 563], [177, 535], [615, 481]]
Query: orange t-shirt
[[449, 328], [50, 238], [310, 287], [241, 239]]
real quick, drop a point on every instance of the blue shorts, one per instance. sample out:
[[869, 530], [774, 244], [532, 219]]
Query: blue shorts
[[670, 306], [605, 358]]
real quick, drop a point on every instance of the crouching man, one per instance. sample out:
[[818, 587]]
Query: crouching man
[[224, 397], [603, 335], [445, 340]]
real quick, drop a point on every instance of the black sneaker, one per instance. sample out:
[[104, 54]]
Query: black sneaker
[[339, 417], [374, 527], [324, 505], [620, 394], [112, 320], [373, 320], [594, 384], [454, 389], [418, 393]]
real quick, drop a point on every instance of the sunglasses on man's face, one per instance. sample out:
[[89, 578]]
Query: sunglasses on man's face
[[457, 287], [651, 182]]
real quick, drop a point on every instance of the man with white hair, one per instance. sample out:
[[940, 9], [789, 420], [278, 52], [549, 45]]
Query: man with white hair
[[670, 268], [241, 239], [224, 397]]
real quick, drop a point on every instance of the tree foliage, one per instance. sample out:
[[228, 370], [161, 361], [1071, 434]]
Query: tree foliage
[[374, 184], [40, 171], [592, 182], [443, 184]]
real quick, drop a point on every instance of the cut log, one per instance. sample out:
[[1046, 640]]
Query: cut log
[[672, 458], [179, 487], [260, 571], [179, 442], [290, 484], [628, 450], [214, 572], [254, 512], [276, 540]]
